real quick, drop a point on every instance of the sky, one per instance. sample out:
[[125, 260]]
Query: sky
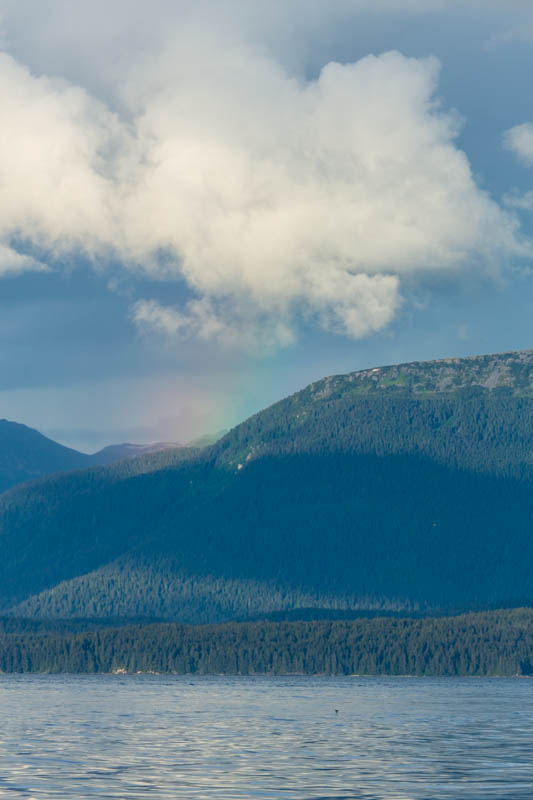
[[204, 206]]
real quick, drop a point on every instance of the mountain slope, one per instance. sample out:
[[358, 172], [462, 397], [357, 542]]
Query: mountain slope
[[26, 455], [473, 413], [406, 487], [120, 452]]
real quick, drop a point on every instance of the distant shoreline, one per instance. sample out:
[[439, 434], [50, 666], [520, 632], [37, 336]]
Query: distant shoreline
[[483, 644]]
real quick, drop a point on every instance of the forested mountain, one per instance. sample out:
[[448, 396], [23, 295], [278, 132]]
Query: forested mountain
[[472, 413], [399, 488], [25, 455]]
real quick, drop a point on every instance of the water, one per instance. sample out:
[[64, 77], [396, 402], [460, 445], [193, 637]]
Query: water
[[157, 737]]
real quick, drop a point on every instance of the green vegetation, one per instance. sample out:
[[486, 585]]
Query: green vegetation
[[411, 495], [127, 589], [481, 430], [494, 643]]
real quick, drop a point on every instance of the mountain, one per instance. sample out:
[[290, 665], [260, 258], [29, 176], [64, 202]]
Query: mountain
[[207, 439], [25, 454], [402, 488], [119, 452]]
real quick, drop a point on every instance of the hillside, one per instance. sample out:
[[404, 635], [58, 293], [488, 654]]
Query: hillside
[[120, 452], [474, 413], [404, 488], [26, 455]]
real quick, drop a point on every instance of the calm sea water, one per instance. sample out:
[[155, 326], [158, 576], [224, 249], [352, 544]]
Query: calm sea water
[[149, 737]]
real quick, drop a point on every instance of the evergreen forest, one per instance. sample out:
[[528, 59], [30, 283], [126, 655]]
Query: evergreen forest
[[486, 644], [398, 490]]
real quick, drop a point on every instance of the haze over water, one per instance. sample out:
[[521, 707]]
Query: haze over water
[[217, 737]]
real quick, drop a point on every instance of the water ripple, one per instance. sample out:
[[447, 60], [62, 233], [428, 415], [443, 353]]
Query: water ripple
[[218, 738]]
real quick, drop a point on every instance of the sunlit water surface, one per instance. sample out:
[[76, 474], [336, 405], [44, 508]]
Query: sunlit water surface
[[149, 737]]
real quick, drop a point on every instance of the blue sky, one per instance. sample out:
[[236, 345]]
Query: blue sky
[[206, 206]]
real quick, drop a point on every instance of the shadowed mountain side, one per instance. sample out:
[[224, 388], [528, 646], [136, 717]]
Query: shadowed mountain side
[[65, 525], [27, 455], [397, 532], [404, 487], [127, 589]]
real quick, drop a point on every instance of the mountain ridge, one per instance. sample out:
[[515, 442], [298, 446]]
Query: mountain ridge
[[27, 455], [392, 497], [490, 371]]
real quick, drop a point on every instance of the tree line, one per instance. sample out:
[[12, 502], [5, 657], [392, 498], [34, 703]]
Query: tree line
[[484, 644]]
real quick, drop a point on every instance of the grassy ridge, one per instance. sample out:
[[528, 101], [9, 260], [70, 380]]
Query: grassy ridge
[[496, 643]]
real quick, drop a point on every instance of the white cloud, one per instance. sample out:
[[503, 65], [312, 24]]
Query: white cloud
[[12, 262], [56, 156], [520, 141], [201, 319], [522, 201], [276, 198]]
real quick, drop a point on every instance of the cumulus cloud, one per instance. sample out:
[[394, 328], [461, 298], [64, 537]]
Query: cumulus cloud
[[205, 320], [12, 262], [275, 197], [57, 150], [520, 141]]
